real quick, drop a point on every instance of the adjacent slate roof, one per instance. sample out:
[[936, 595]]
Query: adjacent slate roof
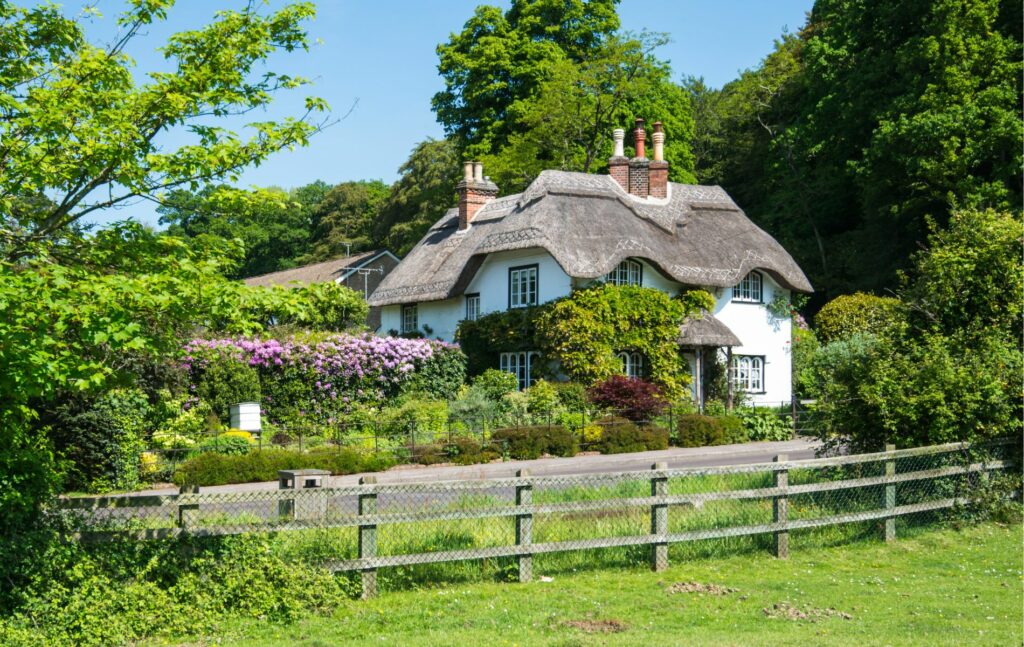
[[323, 272], [588, 223], [707, 331]]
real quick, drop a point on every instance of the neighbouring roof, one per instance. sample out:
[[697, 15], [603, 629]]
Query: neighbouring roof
[[589, 224], [706, 330], [323, 272]]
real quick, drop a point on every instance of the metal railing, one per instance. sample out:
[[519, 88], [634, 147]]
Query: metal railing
[[375, 525]]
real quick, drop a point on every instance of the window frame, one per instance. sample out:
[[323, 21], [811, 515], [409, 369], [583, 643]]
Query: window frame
[[472, 297], [749, 299], [536, 284], [414, 308], [632, 363], [628, 263], [735, 368], [523, 366]]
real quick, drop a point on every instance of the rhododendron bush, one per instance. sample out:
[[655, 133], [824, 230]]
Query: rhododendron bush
[[318, 380]]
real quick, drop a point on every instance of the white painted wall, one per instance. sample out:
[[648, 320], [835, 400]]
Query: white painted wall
[[761, 334]]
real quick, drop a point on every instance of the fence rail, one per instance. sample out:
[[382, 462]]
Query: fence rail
[[384, 525]]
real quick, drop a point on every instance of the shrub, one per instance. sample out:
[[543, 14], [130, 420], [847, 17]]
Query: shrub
[[212, 468], [226, 444], [496, 384], [532, 442], [851, 314], [441, 374], [429, 418], [703, 431], [468, 451], [619, 436], [429, 454], [632, 398], [765, 424], [225, 381], [473, 407], [571, 395], [542, 398]]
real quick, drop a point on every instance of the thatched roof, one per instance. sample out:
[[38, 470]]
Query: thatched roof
[[323, 272], [588, 223], [706, 330]]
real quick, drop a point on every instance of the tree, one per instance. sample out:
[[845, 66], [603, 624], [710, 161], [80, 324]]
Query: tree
[[77, 127], [425, 190], [343, 220]]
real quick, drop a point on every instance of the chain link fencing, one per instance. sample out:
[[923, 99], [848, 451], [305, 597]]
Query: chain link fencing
[[652, 516]]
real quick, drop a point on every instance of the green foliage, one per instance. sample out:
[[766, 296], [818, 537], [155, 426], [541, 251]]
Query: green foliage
[[527, 443], [223, 381], [542, 398], [859, 313], [441, 375], [571, 396], [102, 130], [473, 406], [762, 423], [496, 384], [702, 431], [585, 330], [343, 220], [212, 468], [805, 349], [484, 339], [469, 451], [426, 417], [228, 445], [620, 436]]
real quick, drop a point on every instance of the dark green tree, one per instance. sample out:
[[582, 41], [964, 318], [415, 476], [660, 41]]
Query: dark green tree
[[344, 218]]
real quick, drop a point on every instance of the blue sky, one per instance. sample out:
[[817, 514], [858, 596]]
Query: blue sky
[[377, 59]]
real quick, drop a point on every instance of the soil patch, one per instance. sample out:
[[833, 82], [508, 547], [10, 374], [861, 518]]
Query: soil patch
[[787, 611], [697, 587], [597, 626]]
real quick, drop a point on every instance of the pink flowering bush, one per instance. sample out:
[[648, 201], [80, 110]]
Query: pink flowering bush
[[317, 380]]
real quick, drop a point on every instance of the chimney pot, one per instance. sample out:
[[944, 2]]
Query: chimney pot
[[467, 171], [659, 142], [478, 171], [618, 136], [658, 184], [640, 137], [474, 192]]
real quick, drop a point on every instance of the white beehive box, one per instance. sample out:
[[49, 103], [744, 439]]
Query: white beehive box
[[246, 416]]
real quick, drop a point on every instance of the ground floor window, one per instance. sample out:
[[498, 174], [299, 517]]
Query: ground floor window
[[747, 373], [632, 364], [519, 364], [410, 318]]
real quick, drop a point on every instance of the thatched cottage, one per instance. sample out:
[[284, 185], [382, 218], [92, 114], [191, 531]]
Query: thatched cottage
[[632, 227]]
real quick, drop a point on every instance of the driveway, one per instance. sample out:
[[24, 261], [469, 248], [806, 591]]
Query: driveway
[[675, 457]]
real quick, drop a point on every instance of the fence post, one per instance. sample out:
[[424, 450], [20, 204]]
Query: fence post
[[368, 537], [185, 508], [524, 526], [890, 495], [780, 509], [659, 519]]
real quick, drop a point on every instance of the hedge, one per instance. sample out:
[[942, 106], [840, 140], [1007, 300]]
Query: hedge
[[533, 442], [263, 465], [620, 436], [702, 431]]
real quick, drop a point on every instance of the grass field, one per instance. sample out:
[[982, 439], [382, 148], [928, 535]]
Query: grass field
[[940, 588]]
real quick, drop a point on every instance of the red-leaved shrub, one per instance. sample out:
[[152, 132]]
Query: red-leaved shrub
[[632, 398]]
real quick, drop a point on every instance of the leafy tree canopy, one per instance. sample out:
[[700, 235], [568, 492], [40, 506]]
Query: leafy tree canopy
[[77, 126], [343, 220]]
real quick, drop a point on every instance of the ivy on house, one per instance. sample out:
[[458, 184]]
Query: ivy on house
[[584, 331]]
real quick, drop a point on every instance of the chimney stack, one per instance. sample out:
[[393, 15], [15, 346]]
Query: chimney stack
[[618, 163], [474, 192], [658, 177], [639, 167]]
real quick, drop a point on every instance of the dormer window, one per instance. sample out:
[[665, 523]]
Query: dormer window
[[626, 273], [749, 289]]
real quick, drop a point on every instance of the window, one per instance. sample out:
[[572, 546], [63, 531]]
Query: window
[[632, 364], [747, 373], [626, 273], [410, 322], [519, 364], [472, 307], [749, 289], [522, 286]]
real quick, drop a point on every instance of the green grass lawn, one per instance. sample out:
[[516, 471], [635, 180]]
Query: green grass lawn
[[939, 588]]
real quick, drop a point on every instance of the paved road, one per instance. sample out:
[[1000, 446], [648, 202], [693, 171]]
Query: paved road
[[675, 457]]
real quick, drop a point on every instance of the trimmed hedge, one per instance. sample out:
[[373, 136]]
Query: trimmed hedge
[[262, 465], [702, 431], [620, 436], [533, 442]]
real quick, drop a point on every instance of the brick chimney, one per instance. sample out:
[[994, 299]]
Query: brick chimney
[[474, 192], [658, 167], [639, 171], [618, 163]]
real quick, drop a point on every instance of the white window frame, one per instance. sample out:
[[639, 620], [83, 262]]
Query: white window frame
[[523, 286], [519, 363], [632, 364], [410, 317], [747, 373], [750, 289], [628, 272], [473, 306]]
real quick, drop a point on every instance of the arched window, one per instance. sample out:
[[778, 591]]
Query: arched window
[[632, 363], [626, 273], [747, 373], [749, 289]]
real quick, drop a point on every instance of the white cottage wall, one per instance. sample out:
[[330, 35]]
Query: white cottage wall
[[762, 335]]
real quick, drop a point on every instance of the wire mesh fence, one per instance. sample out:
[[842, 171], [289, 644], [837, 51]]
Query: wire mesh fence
[[656, 514]]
